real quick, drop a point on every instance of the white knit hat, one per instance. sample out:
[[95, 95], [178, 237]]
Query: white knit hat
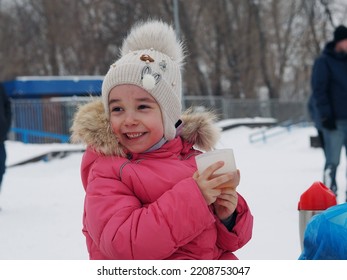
[[151, 58]]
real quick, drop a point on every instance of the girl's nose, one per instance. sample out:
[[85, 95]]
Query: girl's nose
[[131, 119]]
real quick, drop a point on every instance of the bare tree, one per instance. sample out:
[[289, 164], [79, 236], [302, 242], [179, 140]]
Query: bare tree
[[235, 47]]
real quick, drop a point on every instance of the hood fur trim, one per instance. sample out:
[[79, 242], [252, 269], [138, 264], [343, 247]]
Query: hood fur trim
[[91, 127], [199, 128]]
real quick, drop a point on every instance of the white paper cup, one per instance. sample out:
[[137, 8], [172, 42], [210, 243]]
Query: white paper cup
[[205, 160]]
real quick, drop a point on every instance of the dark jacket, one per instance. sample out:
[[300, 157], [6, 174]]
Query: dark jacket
[[329, 84], [312, 109], [5, 114]]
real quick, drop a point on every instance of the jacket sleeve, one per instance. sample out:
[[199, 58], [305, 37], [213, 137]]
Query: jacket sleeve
[[122, 228], [320, 87], [241, 233]]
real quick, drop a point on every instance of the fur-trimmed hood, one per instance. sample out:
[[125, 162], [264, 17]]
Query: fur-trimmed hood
[[91, 127]]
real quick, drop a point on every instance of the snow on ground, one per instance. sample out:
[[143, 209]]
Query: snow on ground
[[42, 202]]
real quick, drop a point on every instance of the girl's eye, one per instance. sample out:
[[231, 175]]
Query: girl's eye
[[141, 107], [116, 109]]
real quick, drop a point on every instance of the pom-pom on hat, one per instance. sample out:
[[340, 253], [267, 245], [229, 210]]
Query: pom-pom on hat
[[151, 58], [340, 33]]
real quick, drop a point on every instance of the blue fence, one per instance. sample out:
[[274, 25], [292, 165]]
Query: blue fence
[[43, 120], [49, 120], [26, 134], [43, 107]]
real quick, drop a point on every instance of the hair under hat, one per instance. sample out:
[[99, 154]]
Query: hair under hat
[[151, 58], [340, 33]]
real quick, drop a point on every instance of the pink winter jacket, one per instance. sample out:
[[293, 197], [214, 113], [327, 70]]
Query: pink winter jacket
[[148, 206]]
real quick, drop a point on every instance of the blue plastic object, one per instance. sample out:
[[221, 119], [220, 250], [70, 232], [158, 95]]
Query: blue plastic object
[[326, 235]]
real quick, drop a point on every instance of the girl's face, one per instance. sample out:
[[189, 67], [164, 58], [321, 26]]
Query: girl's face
[[135, 118]]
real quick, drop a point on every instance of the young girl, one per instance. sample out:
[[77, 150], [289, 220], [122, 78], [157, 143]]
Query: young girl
[[144, 197]]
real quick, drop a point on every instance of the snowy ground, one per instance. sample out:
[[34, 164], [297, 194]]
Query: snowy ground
[[42, 202]]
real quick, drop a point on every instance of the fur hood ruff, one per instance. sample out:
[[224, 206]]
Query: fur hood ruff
[[91, 127]]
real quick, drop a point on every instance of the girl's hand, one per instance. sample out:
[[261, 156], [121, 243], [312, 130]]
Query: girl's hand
[[226, 202], [210, 184]]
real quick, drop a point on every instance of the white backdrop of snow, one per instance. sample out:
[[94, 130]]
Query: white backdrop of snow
[[42, 202]]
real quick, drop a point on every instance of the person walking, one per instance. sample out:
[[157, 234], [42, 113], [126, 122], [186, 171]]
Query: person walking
[[329, 85], [5, 124]]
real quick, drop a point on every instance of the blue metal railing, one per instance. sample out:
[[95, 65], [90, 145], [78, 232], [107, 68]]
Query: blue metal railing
[[26, 133], [284, 127], [47, 120]]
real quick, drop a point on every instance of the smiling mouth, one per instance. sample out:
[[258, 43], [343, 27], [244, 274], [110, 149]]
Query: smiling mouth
[[134, 135]]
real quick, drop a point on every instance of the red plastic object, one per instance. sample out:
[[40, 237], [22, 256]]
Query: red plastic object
[[317, 197]]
